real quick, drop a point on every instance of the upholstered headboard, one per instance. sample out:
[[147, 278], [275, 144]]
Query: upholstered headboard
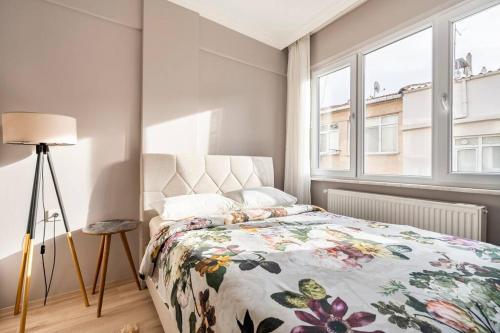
[[165, 175]]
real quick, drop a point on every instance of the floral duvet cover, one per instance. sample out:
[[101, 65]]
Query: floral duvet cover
[[301, 270]]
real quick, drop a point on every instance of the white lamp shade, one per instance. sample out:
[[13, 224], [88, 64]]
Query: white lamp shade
[[30, 128]]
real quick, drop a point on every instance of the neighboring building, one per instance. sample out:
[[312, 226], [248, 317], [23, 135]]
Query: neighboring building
[[398, 138]]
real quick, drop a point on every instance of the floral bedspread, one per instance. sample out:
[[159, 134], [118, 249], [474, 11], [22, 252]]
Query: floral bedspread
[[301, 270]]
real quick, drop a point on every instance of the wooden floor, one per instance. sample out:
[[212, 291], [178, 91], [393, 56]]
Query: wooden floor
[[123, 304]]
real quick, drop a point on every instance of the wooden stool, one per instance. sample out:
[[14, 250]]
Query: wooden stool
[[105, 229]]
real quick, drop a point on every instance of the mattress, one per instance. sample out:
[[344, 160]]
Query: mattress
[[156, 224], [299, 270]]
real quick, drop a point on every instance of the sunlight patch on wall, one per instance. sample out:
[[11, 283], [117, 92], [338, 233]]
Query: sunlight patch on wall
[[193, 134], [72, 166]]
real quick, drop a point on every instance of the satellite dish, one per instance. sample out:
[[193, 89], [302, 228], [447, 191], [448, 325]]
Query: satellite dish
[[376, 88]]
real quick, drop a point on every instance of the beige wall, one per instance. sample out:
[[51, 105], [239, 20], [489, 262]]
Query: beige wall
[[208, 89], [368, 21], [364, 24], [58, 60]]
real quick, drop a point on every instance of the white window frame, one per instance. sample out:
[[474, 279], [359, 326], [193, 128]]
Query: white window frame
[[442, 80], [380, 43], [316, 171], [443, 113]]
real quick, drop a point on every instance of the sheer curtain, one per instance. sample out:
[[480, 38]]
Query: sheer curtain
[[298, 119]]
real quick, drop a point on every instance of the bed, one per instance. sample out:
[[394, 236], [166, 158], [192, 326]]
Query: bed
[[300, 269]]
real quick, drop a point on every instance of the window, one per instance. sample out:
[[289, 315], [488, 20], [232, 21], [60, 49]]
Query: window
[[381, 135], [477, 154], [398, 86], [476, 98], [329, 139], [333, 114], [419, 106]]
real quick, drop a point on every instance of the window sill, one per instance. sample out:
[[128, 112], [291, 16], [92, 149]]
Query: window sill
[[406, 185]]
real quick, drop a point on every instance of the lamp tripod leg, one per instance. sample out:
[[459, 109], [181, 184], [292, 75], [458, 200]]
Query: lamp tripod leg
[[28, 243], [20, 281], [66, 226], [27, 282]]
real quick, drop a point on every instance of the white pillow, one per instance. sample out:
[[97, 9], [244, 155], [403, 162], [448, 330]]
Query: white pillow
[[184, 206], [261, 197]]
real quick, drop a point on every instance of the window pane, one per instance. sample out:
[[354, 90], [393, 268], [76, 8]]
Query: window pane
[[398, 92], [322, 143], [467, 159], [334, 117], [333, 142], [375, 121], [491, 159], [389, 139], [476, 83], [387, 120], [467, 141], [491, 140], [371, 140]]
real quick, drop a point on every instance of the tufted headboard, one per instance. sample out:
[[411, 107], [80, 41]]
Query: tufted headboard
[[165, 175]]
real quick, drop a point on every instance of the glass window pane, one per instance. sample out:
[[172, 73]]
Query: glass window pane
[[334, 117], [389, 139], [476, 83], [369, 122], [333, 141], [491, 159], [471, 141], [372, 139], [387, 120], [467, 160], [322, 143], [398, 92], [491, 140]]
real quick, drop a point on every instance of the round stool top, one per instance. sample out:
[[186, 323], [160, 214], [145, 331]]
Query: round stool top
[[111, 227]]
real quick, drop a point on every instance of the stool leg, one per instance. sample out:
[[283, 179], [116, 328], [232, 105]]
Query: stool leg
[[107, 243], [77, 268], [130, 260], [99, 263]]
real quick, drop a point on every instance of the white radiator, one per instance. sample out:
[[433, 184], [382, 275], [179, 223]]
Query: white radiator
[[457, 219]]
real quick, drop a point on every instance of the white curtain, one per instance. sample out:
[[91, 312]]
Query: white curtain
[[298, 119]]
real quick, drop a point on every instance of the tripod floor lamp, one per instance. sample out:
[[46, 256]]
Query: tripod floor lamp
[[41, 130]]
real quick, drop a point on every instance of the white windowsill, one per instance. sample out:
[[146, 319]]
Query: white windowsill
[[406, 185]]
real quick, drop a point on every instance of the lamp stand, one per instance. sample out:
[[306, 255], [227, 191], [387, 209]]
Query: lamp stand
[[27, 257]]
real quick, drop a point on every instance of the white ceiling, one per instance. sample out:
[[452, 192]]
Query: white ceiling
[[274, 22]]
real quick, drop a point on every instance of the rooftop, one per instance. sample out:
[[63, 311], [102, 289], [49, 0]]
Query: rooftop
[[408, 88]]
